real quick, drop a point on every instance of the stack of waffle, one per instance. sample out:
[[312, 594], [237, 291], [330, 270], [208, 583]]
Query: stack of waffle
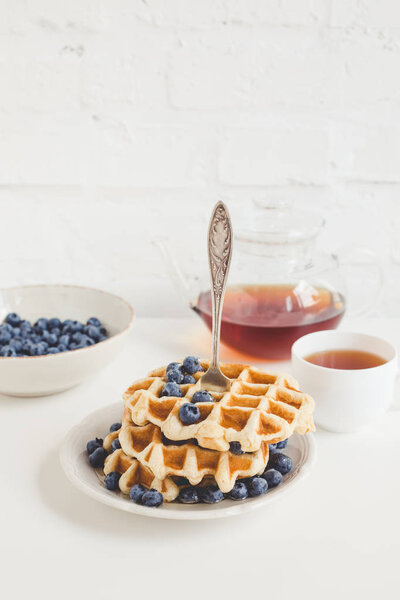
[[160, 452]]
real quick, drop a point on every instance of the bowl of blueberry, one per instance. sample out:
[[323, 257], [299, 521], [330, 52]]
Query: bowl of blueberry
[[52, 337]]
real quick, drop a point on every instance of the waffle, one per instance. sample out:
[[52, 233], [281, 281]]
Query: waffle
[[259, 407], [145, 443], [133, 472]]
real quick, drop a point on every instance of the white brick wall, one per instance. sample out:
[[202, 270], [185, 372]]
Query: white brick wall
[[122, 120]]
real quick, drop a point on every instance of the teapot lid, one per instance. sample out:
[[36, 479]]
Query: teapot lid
[[277, 222]]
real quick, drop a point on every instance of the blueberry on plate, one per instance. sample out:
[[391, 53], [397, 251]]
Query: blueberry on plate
[[272, 448], [136, 492], [191, 365], [173, 365], [152, 499], [235, 448], [257, 486], [210, 494], [97, 458], [239, 491], [115, 427], [188, 495], [27, 347], [77, 336], [8, 351], [93, 444], [112, 480], [272, 477], [93, 321], [281, 445], [202, 396], [175, 375], [13, 319], [53, 323], [280, 462], [115, 445], [62, 348], [53, 350], [189, 413], [171, 389], [188, 379], [50, 338]]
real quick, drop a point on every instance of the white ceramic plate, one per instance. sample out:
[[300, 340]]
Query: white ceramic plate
[[74, 460]]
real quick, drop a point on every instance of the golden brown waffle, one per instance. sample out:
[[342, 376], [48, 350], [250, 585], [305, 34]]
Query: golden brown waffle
[[187, 460], [259, 407], [133, 472]]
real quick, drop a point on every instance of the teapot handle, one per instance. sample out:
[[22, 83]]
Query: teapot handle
[[348, 256]]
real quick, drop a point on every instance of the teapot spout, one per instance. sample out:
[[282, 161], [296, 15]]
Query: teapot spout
[[173, 269]]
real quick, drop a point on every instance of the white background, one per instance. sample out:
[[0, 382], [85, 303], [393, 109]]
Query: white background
[[123, 119]]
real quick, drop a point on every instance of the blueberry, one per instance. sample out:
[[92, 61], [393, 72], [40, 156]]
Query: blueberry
[[188, 495], [171, 389], [191, 365], [115, 427], [77, 336], [16, 343], [239, 491], [189, 413], [257, 486], [175, 375], [13, 319], [53, 350], [235, 448], [64, 339], [173, 365], [54, 323], [93, 321], [7, 327], [67, 325], [272, 477], [16, 331], [35, 338], [210, 494], [202, 397], [72, 326], [93, 332], [115, 445], [62, 348], [281, 445], [167, 442], [103, 331], [103, 337], [50, 338], [136, 492], [182, 481], [97, 458], [41, 348], [280, 462], [8, 351], [92, 445], [152, 499], [188, 379], [56, 331], [41, 325], [5, 336], [27, 347], [85, 342], [272, 448], [112, 480]]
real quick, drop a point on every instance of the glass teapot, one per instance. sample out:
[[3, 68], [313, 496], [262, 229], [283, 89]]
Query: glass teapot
[[280, 287]]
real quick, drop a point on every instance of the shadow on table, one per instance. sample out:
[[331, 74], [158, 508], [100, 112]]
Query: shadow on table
[[62, 498]]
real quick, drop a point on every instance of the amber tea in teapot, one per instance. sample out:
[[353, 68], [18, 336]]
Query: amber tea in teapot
[[265, 320]]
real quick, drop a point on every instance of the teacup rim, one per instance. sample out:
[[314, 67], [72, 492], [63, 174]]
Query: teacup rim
[[333, 333]]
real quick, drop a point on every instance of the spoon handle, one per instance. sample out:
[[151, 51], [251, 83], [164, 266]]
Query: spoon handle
[[219, 257]]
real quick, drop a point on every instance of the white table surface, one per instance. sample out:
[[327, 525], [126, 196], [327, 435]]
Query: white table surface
[[336, 535]]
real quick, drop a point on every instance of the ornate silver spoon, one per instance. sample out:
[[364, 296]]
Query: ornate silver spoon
[[219, 258]]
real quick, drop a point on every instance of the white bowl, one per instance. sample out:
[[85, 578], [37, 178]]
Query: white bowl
[[49, 374]]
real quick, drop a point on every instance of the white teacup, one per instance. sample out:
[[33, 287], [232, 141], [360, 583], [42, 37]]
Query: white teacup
[[345, 400]]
